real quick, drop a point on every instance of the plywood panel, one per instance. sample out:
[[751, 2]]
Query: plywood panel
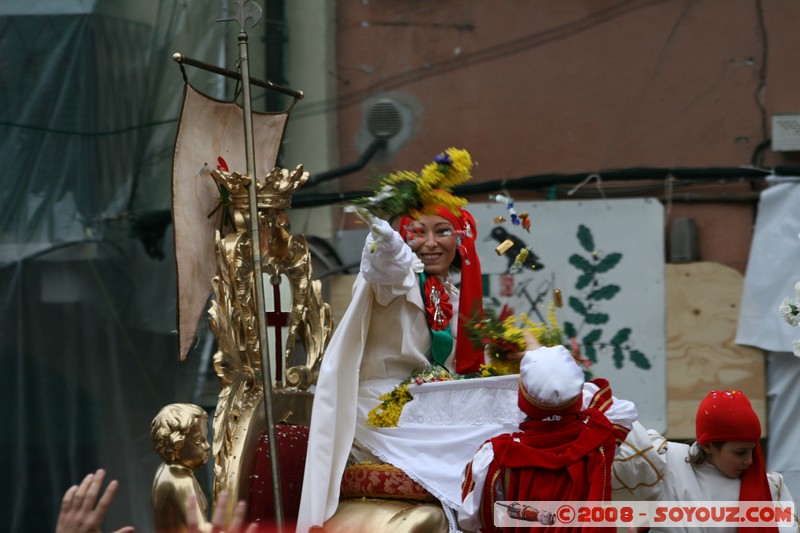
[[702, 312]]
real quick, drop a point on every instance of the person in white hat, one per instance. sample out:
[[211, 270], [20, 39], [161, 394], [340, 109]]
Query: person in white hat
[[564, 449]]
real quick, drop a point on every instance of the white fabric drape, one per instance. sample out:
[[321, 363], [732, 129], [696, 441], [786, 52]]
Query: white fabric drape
[[772, 271]]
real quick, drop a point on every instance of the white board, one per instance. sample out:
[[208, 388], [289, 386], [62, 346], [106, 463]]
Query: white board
[[627, 236]]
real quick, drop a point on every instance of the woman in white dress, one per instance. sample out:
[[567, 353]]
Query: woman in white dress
[[406, 313]]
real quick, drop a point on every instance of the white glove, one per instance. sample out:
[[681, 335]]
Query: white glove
[[381, 229], [386, 259]]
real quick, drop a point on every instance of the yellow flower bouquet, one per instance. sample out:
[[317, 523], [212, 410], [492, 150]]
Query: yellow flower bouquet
[[502, 335], [409, 193]]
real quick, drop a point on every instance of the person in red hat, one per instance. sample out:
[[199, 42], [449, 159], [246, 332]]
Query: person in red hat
[[419, 282], [563, 450], [724, 464]]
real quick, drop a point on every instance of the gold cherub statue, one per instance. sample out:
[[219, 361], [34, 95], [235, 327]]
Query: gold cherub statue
[[180, 436]]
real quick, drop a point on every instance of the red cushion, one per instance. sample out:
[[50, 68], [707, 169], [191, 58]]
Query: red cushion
[[373, 480]]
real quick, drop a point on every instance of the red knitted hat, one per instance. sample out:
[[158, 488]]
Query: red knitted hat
[[724, 416], [728, 416], [468, 358]]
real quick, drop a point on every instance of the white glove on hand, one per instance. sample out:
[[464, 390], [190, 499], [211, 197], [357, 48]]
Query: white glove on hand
[[381, 229], [386, 259]]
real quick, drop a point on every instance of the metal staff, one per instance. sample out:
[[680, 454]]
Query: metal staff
[[251, 10]]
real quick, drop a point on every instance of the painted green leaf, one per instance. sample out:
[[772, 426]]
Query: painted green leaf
[[605, 293], [585, 238], [584, 280], [569, 330], [608, 262], [593, 336], [580, 263], [639, 359], [596, 318], [590, 352], [621, 337], [577, 305], [618, 357]]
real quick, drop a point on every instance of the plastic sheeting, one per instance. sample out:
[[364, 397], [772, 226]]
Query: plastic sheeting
[[783, 399], [771, 276], [90, 102]]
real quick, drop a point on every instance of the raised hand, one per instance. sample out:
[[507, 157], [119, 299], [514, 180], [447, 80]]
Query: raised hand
[[381, 228], [79, 514], [531, 343], [218, 520]]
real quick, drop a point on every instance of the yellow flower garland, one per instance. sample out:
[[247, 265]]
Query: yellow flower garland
[[387, 413]]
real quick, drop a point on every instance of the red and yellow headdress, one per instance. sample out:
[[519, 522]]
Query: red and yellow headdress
[[468, 358]]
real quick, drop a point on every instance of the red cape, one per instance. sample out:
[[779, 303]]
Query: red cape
[[565, 460]]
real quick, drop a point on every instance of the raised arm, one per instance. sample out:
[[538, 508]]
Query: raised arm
[[640, 464], [386, 259]]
